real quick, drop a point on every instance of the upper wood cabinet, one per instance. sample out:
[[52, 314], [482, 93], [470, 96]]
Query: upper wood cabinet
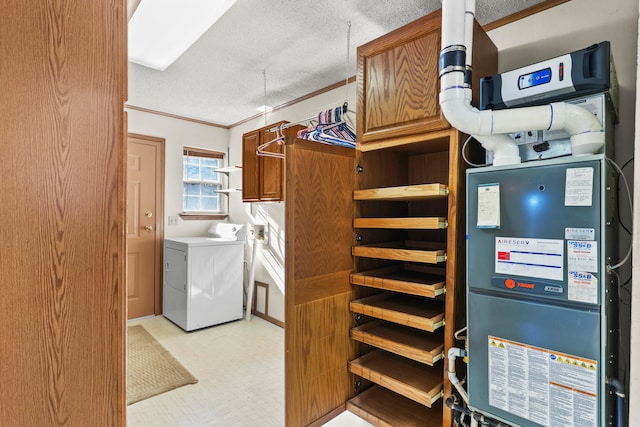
[[262, 176], [398, 84], [250, 166]]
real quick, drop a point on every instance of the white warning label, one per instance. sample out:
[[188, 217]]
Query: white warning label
[[543, 386]]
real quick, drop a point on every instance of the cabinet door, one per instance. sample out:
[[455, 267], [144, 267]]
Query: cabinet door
[[398, 82], [271, 171], [250, 167]]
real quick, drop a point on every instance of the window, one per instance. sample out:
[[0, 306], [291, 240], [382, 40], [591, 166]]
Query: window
[[201, 183]]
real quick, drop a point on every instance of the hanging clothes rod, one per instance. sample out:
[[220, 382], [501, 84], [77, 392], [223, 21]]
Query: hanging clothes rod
[[345, 110]]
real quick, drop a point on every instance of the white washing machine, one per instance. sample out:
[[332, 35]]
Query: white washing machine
[[203, 277]]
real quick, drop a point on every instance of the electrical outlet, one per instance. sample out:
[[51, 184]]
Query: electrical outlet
[[173, 220]]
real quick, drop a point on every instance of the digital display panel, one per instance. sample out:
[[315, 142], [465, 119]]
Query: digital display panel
[[536, 78]]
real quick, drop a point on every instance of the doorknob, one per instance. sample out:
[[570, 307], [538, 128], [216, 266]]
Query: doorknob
[[148, 227], [148, 214]]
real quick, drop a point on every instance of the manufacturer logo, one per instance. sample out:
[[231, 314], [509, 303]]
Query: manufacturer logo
[[514, 242], [526, 285]]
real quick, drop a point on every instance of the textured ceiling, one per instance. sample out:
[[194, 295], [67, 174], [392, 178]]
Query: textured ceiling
[[300, 44]]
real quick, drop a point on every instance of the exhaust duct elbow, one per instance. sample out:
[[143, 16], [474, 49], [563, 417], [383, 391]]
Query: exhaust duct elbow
[[490, 127]]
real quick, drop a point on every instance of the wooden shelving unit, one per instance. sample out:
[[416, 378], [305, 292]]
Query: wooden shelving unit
[[409, 226], [401, 223], [424, 314], [403, 193], [423, 347], [382, 407], [406, 279], [407, 377], [414, 251], [387, 303]]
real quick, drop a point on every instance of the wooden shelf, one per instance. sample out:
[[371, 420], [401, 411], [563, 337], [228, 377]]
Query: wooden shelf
[[419, 313], [424, 347], [412, 251], [229, 169], [404, 193], [400, 279], [384, 408], [409, 378], [401, 223]]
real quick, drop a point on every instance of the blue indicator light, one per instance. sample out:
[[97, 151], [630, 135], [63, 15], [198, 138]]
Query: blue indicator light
[[536, 78]]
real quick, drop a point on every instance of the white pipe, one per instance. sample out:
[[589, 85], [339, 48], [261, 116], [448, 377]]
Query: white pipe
[[490, 127], [453, 14], [469, 17], [454, 353], [252, 276]]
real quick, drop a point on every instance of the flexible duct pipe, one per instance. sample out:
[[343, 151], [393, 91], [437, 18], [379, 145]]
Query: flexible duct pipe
[[490, 127]]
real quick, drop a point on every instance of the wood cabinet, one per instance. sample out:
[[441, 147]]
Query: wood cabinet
[[409, 263], [263, 176], [398, 82], [409, 227], [371, 308]]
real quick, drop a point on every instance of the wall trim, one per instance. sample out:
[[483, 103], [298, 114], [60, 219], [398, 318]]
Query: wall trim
[[174, 116], [297, 100], [548, 4]]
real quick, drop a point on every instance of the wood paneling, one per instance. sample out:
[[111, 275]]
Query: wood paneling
[[63, 83], [318, 217]]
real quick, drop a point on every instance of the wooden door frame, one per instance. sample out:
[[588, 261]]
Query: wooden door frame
[[160, 144]]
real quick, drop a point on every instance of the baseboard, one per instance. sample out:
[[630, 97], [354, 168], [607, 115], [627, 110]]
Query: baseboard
[[268, 318]]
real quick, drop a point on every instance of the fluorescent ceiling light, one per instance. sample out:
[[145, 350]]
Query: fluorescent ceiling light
[[162, 30]]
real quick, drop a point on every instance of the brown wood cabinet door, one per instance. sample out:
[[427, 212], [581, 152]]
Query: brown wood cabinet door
[[250, 167], [318, 219], [63, 85], [398, 86], [271, 170], [397, 82]]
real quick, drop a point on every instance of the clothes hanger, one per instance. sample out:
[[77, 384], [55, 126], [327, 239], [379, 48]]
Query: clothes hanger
[[279, 139]]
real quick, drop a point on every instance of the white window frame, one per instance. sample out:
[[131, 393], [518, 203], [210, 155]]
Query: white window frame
[[222, 207]]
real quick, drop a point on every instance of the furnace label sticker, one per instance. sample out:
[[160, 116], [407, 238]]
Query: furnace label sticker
[[571, 233], [582, 256], [543, 386], [583, 287], [488, 206], [540, 258], [578, 189]]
